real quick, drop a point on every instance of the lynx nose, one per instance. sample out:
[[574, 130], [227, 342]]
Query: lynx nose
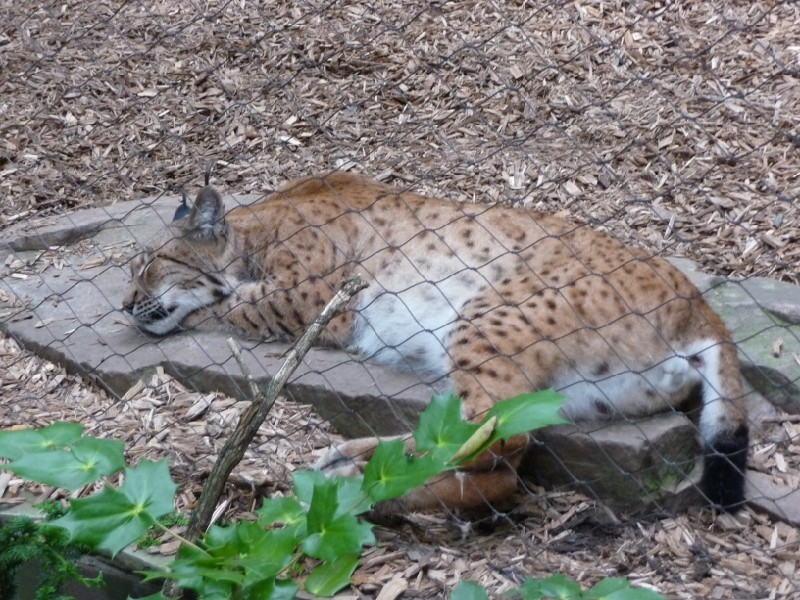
[[128, 302]]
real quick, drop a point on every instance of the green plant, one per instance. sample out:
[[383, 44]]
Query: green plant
[[23, 540], [559, 587], [154, 536], [318, 531], [52, 509]]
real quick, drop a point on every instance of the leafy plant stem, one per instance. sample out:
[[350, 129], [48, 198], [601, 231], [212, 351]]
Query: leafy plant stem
[[180, 538]]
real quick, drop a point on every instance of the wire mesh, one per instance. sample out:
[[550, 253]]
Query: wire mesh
[[671, 126]]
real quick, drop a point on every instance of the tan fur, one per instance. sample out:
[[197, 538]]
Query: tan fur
[[519, 301]]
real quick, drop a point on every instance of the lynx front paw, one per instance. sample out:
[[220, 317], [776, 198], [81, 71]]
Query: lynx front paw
[[202, 318], [348, 458]]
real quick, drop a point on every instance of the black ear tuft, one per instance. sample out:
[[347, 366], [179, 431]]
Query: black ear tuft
[[206, 217], [183, 209]]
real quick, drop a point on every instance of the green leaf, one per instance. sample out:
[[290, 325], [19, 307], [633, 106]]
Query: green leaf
[[555, 586], [207, 581], [323, 505], [107, 521], [469, 590], [330, 535], [527, 412], [195, 571], [390, 472], [477, 443], [261, 554], [150, 486], [617, 588], [272, 590], [13, 444], [87, 461], [343, 535], [280, 510], [115, 518], [350, 496], [442, 430], [304, 482], [221, 541], [330, 577], [158, 596]]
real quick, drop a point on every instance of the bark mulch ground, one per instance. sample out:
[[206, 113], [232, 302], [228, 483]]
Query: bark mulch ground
[[689, 555]]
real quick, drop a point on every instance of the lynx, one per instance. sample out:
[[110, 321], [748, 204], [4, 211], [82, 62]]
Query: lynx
[[500, 300]]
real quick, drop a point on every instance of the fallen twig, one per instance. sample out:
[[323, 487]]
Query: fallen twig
[[781, 419]]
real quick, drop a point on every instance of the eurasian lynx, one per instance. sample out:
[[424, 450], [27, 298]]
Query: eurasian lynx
[[501, 300]]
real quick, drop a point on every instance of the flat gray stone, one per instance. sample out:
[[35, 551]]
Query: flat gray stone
[[780, 501], [629, 465], [763, 316]]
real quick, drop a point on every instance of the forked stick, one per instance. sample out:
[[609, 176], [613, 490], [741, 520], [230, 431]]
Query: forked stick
[[263, 399]]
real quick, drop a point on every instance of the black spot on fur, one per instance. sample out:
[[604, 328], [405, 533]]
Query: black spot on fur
[[602, 407], [253, 325], [214, 280], [601, 369]]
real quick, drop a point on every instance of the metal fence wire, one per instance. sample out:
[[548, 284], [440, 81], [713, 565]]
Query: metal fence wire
[[671, 126]]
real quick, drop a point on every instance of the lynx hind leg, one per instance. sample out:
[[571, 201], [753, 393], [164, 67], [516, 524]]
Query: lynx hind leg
[[459, 489], [723, 424], [481, 376], [349, 458]]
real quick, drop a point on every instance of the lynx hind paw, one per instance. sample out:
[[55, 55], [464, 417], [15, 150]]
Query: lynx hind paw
[[348, 458]]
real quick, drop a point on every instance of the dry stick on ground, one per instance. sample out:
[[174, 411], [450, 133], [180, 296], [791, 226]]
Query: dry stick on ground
[[252, 418]]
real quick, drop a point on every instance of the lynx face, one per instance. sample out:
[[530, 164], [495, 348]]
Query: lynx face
[[167, 291], [500, 301], [180, 272]]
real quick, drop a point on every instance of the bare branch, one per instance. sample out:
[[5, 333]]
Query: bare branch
[[252, 418]]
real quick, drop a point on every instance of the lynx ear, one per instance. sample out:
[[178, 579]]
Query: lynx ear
[[208, 212], [183, 210]]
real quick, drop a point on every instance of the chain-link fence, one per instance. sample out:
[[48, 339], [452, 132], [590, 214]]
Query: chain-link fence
[[672, 126]]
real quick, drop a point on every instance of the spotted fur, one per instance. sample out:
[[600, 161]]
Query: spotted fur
[[499, 300]]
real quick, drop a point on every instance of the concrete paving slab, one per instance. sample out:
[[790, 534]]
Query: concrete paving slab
[[71, 316], [780, 501], [763, 316]]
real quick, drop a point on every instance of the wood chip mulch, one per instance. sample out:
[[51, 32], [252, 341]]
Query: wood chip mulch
[[690, 555], [673, 125]]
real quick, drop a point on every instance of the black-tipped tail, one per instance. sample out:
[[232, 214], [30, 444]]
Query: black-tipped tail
[[724, 470]]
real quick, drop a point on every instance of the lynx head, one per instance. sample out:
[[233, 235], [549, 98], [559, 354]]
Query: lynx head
[[182, 269]]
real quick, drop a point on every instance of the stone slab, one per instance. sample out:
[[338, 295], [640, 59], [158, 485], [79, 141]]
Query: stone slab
[[780, 501], [763, 316], [629, 465]]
